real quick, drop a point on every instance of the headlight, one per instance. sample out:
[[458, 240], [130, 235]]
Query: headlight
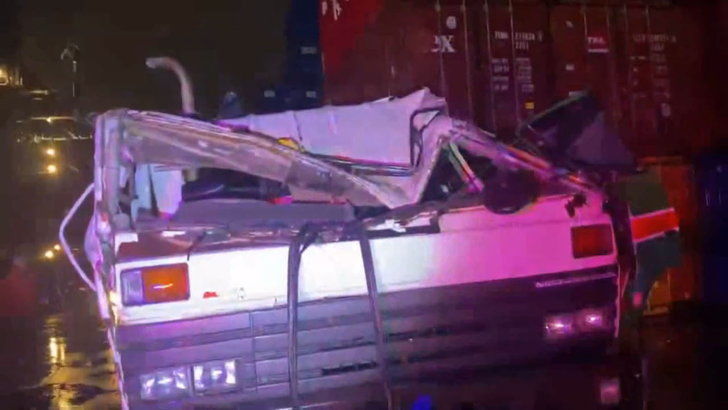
[[213, 377], [577, 323], [592, 319], [165, 384], [217, 376], [51, 168], [558, 327], [51, 152]]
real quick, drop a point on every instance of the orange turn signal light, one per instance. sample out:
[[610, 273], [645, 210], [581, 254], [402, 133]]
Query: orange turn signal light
[[155, 284], [592, 240]]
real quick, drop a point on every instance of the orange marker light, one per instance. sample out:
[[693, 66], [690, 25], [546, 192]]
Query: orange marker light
[[591, 240], [166, 283]]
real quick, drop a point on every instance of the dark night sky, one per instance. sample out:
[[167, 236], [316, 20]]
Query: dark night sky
[[225, 44]]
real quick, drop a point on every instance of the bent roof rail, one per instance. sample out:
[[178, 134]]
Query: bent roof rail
[[146, 137]]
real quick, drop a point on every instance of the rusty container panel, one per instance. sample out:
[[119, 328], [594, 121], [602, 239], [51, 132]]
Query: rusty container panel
[[499, 58], [649, 53], [679, 180], [637, 96], [413, 46], [500, 61], [567, 32], [352, 46], [395, 47], [512, 70], [432, 47], [662, 48], [532, 54], [695, 72], [453, 45], [680, 283], [584, 54], [600, 61]]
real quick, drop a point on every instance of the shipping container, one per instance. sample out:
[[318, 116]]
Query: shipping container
[[513, 46], [500, 61], [680, 283]]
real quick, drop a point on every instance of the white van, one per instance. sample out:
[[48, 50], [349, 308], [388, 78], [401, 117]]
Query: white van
[[409, 245]]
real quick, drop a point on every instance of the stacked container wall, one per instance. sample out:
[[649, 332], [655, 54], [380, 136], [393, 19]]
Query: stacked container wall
[[679, 283], [584, 53], [353, 52], [500, 61], [511, 45]]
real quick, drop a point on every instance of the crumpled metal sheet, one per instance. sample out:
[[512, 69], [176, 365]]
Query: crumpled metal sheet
[[376, 132], [146, 137], [175, 141]]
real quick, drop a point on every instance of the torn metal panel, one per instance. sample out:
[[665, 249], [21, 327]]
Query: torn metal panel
[[131, 137], [377, 132], [388, 142], [481, 143], [390, 132], [171, 140]]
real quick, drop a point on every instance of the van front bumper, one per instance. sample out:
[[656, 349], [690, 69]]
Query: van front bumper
[[490, 332]]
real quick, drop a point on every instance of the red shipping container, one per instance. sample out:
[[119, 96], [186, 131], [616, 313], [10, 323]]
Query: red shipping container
[[647, 94], [512, 79], [453, 46], [432, 48], [500, 61], [567, 31], [412, 39], [584, 53], [348, 37], [679, 283], [500, 69], [398, 47], [532, 59]]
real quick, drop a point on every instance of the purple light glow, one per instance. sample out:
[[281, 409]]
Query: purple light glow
[[558, 326], [610, 393], [593, 319], [571, 324]]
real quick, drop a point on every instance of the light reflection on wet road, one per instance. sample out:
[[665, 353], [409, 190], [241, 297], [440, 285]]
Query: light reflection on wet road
[[57, 361]]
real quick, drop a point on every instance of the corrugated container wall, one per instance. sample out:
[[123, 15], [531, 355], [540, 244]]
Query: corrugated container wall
[[500, 61], [680, 283]]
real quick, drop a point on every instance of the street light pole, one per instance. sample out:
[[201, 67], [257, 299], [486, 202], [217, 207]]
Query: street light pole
[[73, 52]]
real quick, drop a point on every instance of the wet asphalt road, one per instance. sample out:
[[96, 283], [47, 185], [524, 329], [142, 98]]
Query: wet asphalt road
[[60, 359], [685, 361], [57, 359]]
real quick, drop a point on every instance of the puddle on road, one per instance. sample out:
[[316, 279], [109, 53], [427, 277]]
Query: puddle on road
[[75, 365], [81, 373], [64, 396]]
